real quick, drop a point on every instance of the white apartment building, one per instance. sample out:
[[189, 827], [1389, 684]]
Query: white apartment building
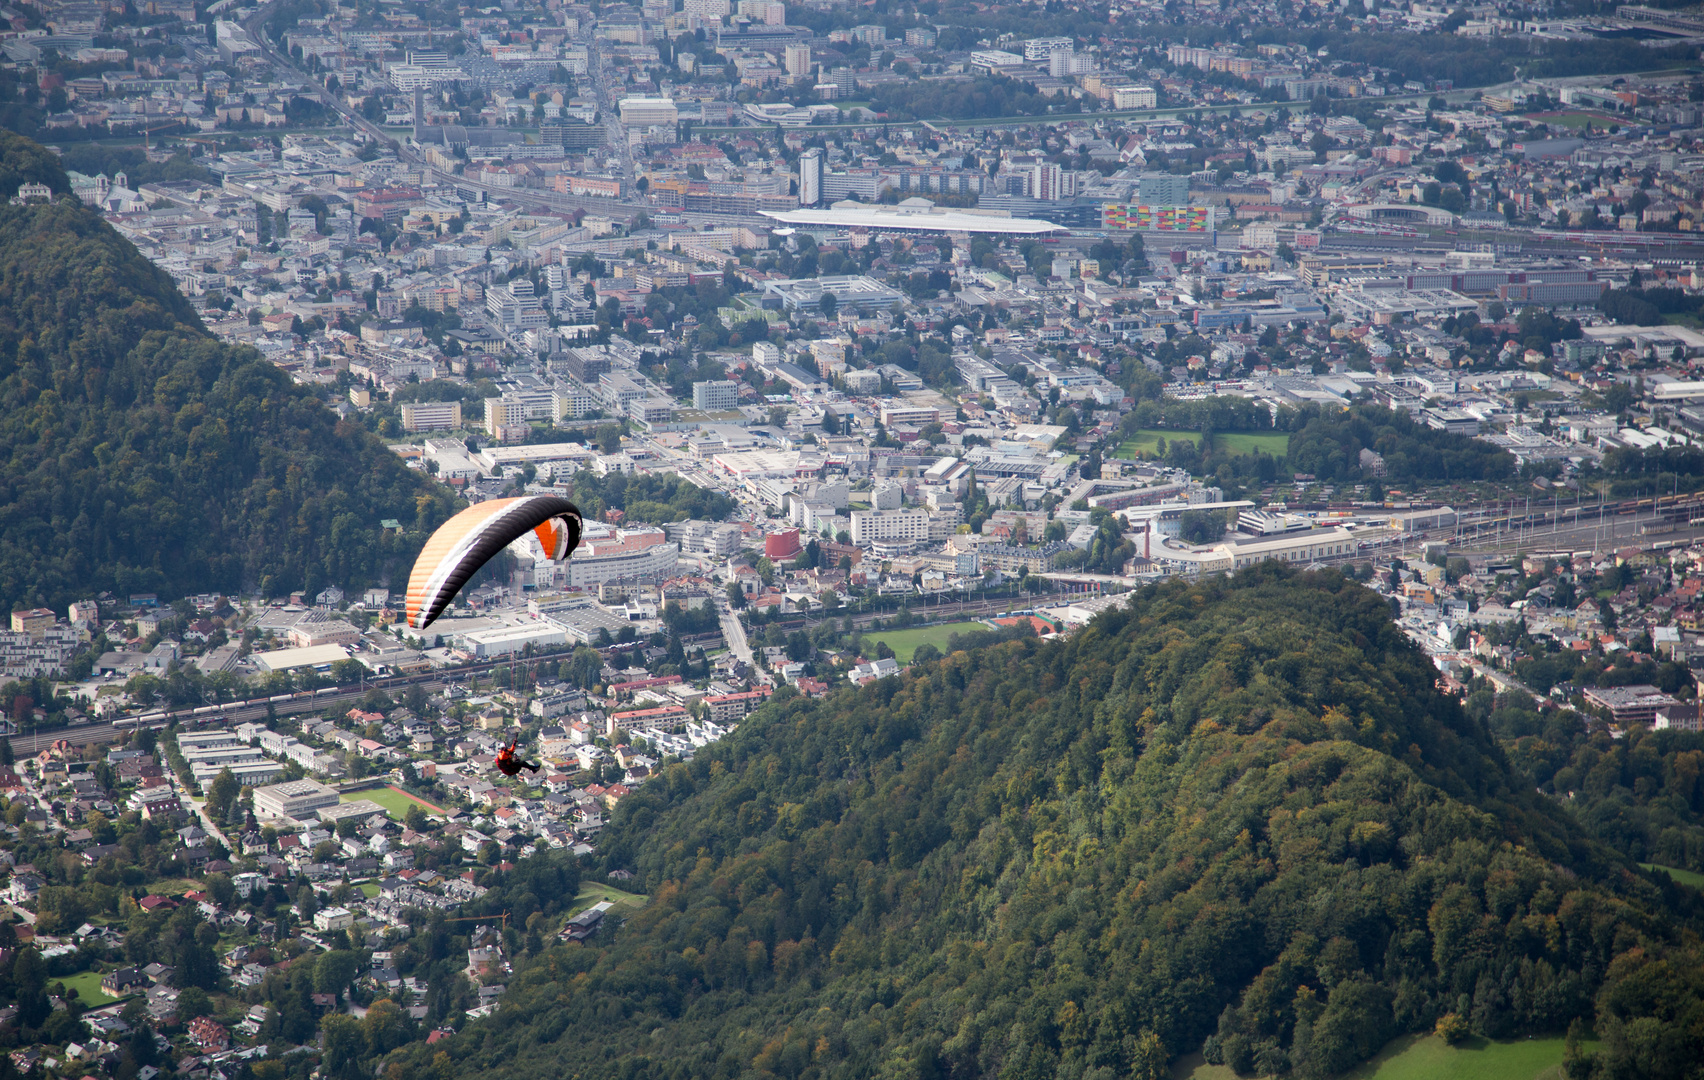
[[646, 111], [653, 561], [503, 413], [431, 415], [889, 526], [716, 395]]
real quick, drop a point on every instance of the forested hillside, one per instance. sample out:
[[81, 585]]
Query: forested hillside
[[138, 453], [1236, 817]]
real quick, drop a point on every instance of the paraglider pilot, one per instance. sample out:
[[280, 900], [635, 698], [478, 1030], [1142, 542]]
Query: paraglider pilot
[[509, 764], [466, 542]]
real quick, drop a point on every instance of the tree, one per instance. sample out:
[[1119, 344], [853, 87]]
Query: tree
[[29, 982], [584, 667], [344, 1042], [221, 793], [193, 1002], [335, 970], [1452, 1028]]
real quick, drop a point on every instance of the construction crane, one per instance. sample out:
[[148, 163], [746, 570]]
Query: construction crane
[[150, 130]]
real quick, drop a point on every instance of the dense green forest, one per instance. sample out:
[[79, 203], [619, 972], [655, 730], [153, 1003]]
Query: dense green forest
[[138, 453], [1328, 444], [1324, 442], [1641, 794], [1646, 307], [1237, 817]]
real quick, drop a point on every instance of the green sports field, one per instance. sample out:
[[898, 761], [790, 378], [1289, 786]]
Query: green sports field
[[1427, 1057], [904, 642], [1238, 442], [395, 802]]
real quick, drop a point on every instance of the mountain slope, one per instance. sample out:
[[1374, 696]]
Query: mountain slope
[[1237, 816], [138, 453]]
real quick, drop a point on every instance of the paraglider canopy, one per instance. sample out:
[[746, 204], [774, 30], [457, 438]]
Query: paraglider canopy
[[469, 540]]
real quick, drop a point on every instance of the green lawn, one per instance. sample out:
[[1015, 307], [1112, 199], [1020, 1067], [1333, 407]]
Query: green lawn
[[369, 889], [1576, 121], [395, 801], [591, 894], [1427, 1057], [1239, 442], [88, 987], [905, 642], [1685, 877]]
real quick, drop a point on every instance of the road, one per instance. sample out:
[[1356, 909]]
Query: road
[[1502, 680], [733, 631], [255, 25]]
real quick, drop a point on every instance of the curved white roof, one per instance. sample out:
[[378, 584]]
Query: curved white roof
[[900, 219]]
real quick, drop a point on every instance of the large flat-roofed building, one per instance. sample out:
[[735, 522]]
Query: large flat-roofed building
[[1629, 704], [1162, 189], [247, 773], [716, 395], [1303, 547], [504, 640], [879, 526], [851, 292], [645, 111], [921, 415], [431, 415], [314, 656], [293, 799], [623, 563], [909, 219]]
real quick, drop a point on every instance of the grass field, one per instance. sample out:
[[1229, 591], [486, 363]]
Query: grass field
[[175, 886], [369, 889], [591, 894], [1239, 442], [1427, 1057], [88, 987], [395, 801], [1575, 121], [905, 642], [1685, 877]]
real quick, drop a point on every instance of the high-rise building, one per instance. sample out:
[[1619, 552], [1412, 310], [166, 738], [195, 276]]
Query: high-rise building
[[716, 396], [798, 62], [1046, 181], [503, 413], [810, 177], [1162, 189]]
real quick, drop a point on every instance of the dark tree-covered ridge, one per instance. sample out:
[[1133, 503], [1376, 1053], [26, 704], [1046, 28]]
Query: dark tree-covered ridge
[[1238, 816], [138, 453]]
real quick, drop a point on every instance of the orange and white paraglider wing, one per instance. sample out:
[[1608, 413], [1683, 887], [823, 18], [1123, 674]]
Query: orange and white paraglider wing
[[469, 540]]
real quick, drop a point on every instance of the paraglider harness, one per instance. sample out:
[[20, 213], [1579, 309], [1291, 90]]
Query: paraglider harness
[[510, 765]]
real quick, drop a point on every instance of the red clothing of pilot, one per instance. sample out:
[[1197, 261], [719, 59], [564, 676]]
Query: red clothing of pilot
[[509, 764]]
